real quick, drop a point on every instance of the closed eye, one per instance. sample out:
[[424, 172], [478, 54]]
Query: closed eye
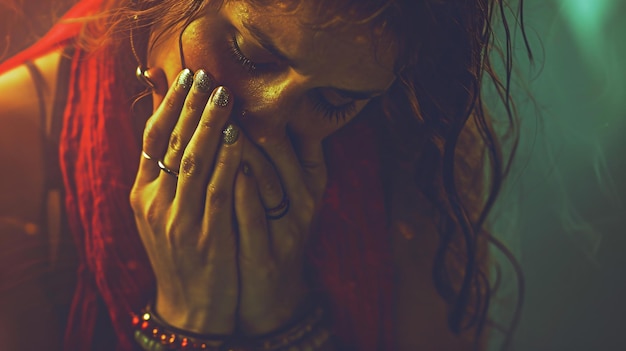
[[321, 104]]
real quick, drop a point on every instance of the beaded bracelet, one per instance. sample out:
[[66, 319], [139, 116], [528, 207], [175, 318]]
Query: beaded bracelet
[[289, 336], [153, 334]]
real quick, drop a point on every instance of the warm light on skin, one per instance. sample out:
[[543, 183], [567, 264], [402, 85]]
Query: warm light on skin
[[273, 99]]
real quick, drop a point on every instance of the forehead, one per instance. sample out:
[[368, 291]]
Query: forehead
[[344, 51]]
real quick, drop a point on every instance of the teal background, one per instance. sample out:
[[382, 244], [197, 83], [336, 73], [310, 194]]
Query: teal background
[[563, 210]]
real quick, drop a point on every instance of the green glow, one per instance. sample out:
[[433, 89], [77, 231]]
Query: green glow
[[586, 17], [588, 22]]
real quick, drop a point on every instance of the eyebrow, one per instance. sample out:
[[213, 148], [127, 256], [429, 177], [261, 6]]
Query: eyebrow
[[267, 43]]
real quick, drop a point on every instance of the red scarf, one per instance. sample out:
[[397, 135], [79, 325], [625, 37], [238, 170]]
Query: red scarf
[[99, 156]]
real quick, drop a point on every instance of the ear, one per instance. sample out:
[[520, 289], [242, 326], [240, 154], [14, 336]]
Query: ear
[[157, 77]]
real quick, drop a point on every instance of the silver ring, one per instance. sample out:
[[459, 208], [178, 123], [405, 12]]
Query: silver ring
[[279, 211], [145, 155], [167, 170]]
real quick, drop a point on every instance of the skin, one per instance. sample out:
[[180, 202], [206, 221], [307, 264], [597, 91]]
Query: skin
[[190, 225], [193, 252]]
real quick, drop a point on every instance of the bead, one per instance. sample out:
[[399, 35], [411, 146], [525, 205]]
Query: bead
[[145, 340], [137, 335], [154, 346], [308, 335]]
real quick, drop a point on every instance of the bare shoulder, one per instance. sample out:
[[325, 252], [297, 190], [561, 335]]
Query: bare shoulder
[[420, 312], [21, 185], [21, 137]]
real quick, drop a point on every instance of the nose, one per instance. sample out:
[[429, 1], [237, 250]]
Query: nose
[[269, 105]]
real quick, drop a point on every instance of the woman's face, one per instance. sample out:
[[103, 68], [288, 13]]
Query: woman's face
[[282, 73]]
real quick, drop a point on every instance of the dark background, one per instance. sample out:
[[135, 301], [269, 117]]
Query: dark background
[[569, 202], [563, 212]]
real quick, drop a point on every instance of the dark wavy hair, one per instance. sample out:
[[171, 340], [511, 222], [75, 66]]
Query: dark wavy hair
[[435, 111]]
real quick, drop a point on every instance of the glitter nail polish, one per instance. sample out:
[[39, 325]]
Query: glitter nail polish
[[231, 134], [203, 81], [221, 97], [185, 79]]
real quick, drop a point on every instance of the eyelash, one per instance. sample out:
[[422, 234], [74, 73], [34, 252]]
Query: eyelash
[[239, 57], [330, 111], [321, 104]]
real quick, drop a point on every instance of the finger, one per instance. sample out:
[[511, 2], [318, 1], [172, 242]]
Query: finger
[[159, 127], [291, 172], [218, 210], [270, 188], [193, 107], [254, 239], [199, 156]]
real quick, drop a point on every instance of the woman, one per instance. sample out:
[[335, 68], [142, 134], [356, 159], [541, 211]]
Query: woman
[[293, 183]]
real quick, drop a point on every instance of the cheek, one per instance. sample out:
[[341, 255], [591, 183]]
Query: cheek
[[206, 45]]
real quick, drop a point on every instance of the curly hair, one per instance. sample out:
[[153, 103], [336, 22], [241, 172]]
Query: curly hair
[[435, 110]]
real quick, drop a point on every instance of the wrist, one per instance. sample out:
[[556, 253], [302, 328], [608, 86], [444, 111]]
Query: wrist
[[154, 334], [196, 320], [310, 333], [286, 311]]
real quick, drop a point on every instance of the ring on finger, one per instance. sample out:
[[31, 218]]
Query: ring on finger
[[167, 170], [279, 211], [146, 156]]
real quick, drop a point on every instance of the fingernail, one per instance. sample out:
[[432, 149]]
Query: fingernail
[[221, 97], [185, 79], [203, 82], [231, 134]]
